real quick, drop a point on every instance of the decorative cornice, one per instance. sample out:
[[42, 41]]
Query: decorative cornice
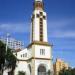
[[35, 58], [39, 43]]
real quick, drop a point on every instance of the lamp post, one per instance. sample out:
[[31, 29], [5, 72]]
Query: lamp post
[[7, 36]]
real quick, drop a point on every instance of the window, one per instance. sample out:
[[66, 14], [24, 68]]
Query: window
[[41, 13], [42, 51], [41, 29], [41, 19], [41, 22], [21, 55], [37, 15], [25, 54], [41, 33], [41, 25], [44, 17]]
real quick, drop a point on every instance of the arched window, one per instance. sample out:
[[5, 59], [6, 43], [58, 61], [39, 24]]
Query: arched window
[[41, 70]]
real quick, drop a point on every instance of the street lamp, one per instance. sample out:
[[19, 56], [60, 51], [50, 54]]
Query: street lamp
[[7, 36], [7, 41]]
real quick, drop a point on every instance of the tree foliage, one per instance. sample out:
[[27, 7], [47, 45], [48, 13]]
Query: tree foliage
[[11, 59], [21, 73], [2, 54], [8, 56], [49, 72], [67, 72]]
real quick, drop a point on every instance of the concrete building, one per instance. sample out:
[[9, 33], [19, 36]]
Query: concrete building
[[36, 58], [59, 65], [12, 43]]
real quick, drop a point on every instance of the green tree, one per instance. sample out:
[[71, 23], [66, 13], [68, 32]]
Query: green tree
[[65, 72], [11, 61], [8, 56], [21, 73], [73, 71], [2, 56], [49, 72]]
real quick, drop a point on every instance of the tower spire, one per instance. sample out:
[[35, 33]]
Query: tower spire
[[38, 5], [39, 23]]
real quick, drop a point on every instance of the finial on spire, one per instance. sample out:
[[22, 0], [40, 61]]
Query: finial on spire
[[39, 5]]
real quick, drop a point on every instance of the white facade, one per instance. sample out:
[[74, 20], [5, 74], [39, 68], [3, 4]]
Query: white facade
[[36, 59], [36, 26], [33, 57]]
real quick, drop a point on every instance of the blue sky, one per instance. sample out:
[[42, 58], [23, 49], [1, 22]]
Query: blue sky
[[15, 18]]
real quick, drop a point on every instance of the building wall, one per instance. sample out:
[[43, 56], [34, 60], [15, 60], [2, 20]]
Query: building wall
[[22, 63], [41, 59], [23, 54], [22, 66], [36, 49], [45, 63], [34, 59], [59, 65], [36, 26]]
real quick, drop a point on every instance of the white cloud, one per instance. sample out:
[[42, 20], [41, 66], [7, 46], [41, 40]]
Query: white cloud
[[69, 34], [62, 34], [60, 23], [19, 28], [55, 28], [61, 28]]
